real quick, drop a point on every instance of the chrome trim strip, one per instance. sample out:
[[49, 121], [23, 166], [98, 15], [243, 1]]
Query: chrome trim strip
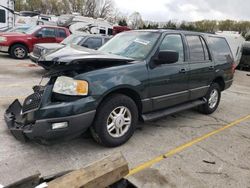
[[198, 88], [229, 80], [145, 100], [169, 95]]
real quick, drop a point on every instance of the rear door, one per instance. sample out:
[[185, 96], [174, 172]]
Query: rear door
[[60, 35], [202, 67], [169, 82]]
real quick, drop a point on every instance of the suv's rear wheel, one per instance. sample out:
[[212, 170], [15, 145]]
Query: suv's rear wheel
[[18, 51], [213, 99], [115, 121]]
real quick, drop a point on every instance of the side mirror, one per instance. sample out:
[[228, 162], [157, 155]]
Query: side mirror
[[167, 57], [39, 35]]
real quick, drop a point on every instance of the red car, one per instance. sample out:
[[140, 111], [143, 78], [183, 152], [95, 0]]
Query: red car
[[18, 45]]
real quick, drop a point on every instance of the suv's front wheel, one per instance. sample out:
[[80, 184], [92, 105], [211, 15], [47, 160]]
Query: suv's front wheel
[[213, 99], [115, 121]]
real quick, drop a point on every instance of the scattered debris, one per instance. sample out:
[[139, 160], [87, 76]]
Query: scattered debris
[[209, 162], [107, 172]]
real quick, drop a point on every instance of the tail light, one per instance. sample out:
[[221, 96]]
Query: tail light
[[233, 67]]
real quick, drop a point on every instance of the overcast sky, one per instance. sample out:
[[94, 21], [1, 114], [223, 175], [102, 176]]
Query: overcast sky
[[189, 10]]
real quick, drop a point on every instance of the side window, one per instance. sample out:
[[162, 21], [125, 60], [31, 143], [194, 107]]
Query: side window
[[106, 40], [110, 31], [2, 16], [48, 32], [102, 31], [173, 42], [61, 33], [205, 49], [93, 43], [220, 48], [195, 48]]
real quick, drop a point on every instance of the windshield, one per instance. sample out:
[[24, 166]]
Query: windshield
[[73, 39], [32, 29], [132, 44]]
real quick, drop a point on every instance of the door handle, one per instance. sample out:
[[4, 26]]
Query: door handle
[[211, 67], [183, 71]]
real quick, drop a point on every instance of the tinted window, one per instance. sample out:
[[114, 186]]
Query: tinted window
[[220, 48], [174, 43], [48, 32], [62, 33], [110, 31], [2, 16], [195, 48], [102, 31], [204, 45], [93, 43]]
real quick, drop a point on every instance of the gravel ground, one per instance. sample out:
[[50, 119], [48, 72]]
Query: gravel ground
[[229, 150]]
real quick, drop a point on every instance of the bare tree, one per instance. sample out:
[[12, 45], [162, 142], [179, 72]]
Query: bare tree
[[105, 8], [135, 20], [98, 8], [90, 8]]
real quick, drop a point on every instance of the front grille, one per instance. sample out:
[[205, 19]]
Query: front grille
[[32, 102], [37, 51]]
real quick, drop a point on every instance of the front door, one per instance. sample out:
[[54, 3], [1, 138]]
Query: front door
[[45, 35], [169, 82]]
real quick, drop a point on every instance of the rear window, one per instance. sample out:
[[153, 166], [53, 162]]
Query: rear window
[[220, 48], [2, 16], [93, 43]]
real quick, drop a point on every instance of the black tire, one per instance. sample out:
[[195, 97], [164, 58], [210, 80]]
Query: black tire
[[99, 129], [207, 108], [23, 51]]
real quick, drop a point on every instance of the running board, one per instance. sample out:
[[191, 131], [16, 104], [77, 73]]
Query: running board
[[159, 114]]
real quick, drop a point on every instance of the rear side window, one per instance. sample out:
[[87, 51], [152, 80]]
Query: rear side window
[[196, 51], [48, 32], [93, 43], [173, 42], [61, 33], [220, 48], [2, 16]]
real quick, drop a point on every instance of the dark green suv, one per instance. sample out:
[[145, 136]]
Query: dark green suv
[[138, 75]]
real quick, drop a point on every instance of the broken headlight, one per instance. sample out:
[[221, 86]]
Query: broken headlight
[[69, 86]]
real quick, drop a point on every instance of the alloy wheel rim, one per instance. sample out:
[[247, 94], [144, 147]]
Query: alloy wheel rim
[[19, 52], [213, 98], [119, 121]]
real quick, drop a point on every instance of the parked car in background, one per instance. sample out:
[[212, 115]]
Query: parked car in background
[[81, 39], [19, 29], [18, 45], [144, 75], [245, 59]]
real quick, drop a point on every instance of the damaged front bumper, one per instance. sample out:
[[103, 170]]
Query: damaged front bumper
[[42, 130]]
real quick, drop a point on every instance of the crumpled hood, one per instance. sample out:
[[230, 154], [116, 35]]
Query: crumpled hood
[[73, 52], [50, 46]]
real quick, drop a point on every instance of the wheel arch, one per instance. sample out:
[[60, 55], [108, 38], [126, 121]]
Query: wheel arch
[[20, 43], [128, 92], [219, 80]]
